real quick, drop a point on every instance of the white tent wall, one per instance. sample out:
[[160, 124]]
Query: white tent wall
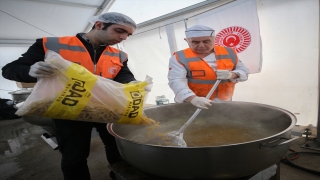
[[290, 48], [36, 19], [145, 52], [289, 78]]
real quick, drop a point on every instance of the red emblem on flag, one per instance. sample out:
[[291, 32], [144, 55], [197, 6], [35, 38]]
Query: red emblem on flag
[[235, 37]]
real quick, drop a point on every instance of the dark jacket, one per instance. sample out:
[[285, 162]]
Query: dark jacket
[[18, 70], [7, 111]]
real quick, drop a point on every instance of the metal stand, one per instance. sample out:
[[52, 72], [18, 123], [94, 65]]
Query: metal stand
[[317, 142], [124, 171], [311, 143], [277, 175]]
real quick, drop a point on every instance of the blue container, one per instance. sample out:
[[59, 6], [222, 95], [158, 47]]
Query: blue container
[[162, 101]]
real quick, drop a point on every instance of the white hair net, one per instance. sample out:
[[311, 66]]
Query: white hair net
[[199, 31], [117, 18]]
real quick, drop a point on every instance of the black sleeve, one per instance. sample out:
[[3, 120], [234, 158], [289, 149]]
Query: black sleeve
[[18, 70], [124, 75]]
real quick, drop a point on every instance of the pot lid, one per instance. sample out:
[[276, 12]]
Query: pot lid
[[23, 91]]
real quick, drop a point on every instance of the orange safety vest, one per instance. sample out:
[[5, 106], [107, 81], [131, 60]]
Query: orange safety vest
[[72, 49], [201, 76]]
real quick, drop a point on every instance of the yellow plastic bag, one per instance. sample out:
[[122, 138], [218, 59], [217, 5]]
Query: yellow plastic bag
[[74, 93]]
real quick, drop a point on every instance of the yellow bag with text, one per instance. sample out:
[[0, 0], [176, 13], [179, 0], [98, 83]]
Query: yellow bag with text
[[74, 93]]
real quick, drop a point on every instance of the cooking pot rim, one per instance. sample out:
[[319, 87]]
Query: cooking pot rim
[[109, 127], [292, 116]]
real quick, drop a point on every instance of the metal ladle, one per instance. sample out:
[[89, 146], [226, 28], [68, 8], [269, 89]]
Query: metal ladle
[[177, 136]]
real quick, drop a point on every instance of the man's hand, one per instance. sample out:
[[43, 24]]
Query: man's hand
[[223, 74], [201, 102], [42, 70]]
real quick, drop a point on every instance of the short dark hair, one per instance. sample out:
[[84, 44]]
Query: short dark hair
[[105, 26]]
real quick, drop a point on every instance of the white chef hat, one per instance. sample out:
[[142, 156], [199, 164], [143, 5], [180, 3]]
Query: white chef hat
[[114, 17], [199, 31]]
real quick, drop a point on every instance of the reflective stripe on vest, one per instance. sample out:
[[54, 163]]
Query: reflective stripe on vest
[[231, 55], [72, 49], [122, 55], [185, 61], [54, 45]]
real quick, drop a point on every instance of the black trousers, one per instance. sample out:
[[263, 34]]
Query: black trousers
[[74, 139], [7, 111]]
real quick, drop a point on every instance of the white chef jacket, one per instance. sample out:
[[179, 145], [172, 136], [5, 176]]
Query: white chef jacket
[[178, 81]]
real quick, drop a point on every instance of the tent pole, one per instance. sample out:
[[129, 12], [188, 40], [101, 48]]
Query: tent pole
[[185, 24], [318, 124]]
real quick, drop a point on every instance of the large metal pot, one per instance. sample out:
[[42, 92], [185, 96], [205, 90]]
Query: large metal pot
[[271, 127]]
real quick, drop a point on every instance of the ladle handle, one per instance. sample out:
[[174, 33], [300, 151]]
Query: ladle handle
[[214, 87]]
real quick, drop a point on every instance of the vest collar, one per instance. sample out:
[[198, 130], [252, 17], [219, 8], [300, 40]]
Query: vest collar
[[86, 39]]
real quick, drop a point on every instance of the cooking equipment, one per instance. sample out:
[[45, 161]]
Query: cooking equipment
[[20, 95], [124, 171], [176, 137], [267, 127]]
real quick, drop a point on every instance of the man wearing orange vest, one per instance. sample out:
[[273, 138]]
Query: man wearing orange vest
[[193, 71], [93, 51]]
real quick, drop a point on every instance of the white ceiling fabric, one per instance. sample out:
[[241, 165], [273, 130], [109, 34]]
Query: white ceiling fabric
[[31, 19]]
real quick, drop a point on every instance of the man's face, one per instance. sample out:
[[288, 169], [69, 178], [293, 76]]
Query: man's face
[[201, 45], [114, 34]]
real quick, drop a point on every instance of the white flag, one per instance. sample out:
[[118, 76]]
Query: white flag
[[236, 25]]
